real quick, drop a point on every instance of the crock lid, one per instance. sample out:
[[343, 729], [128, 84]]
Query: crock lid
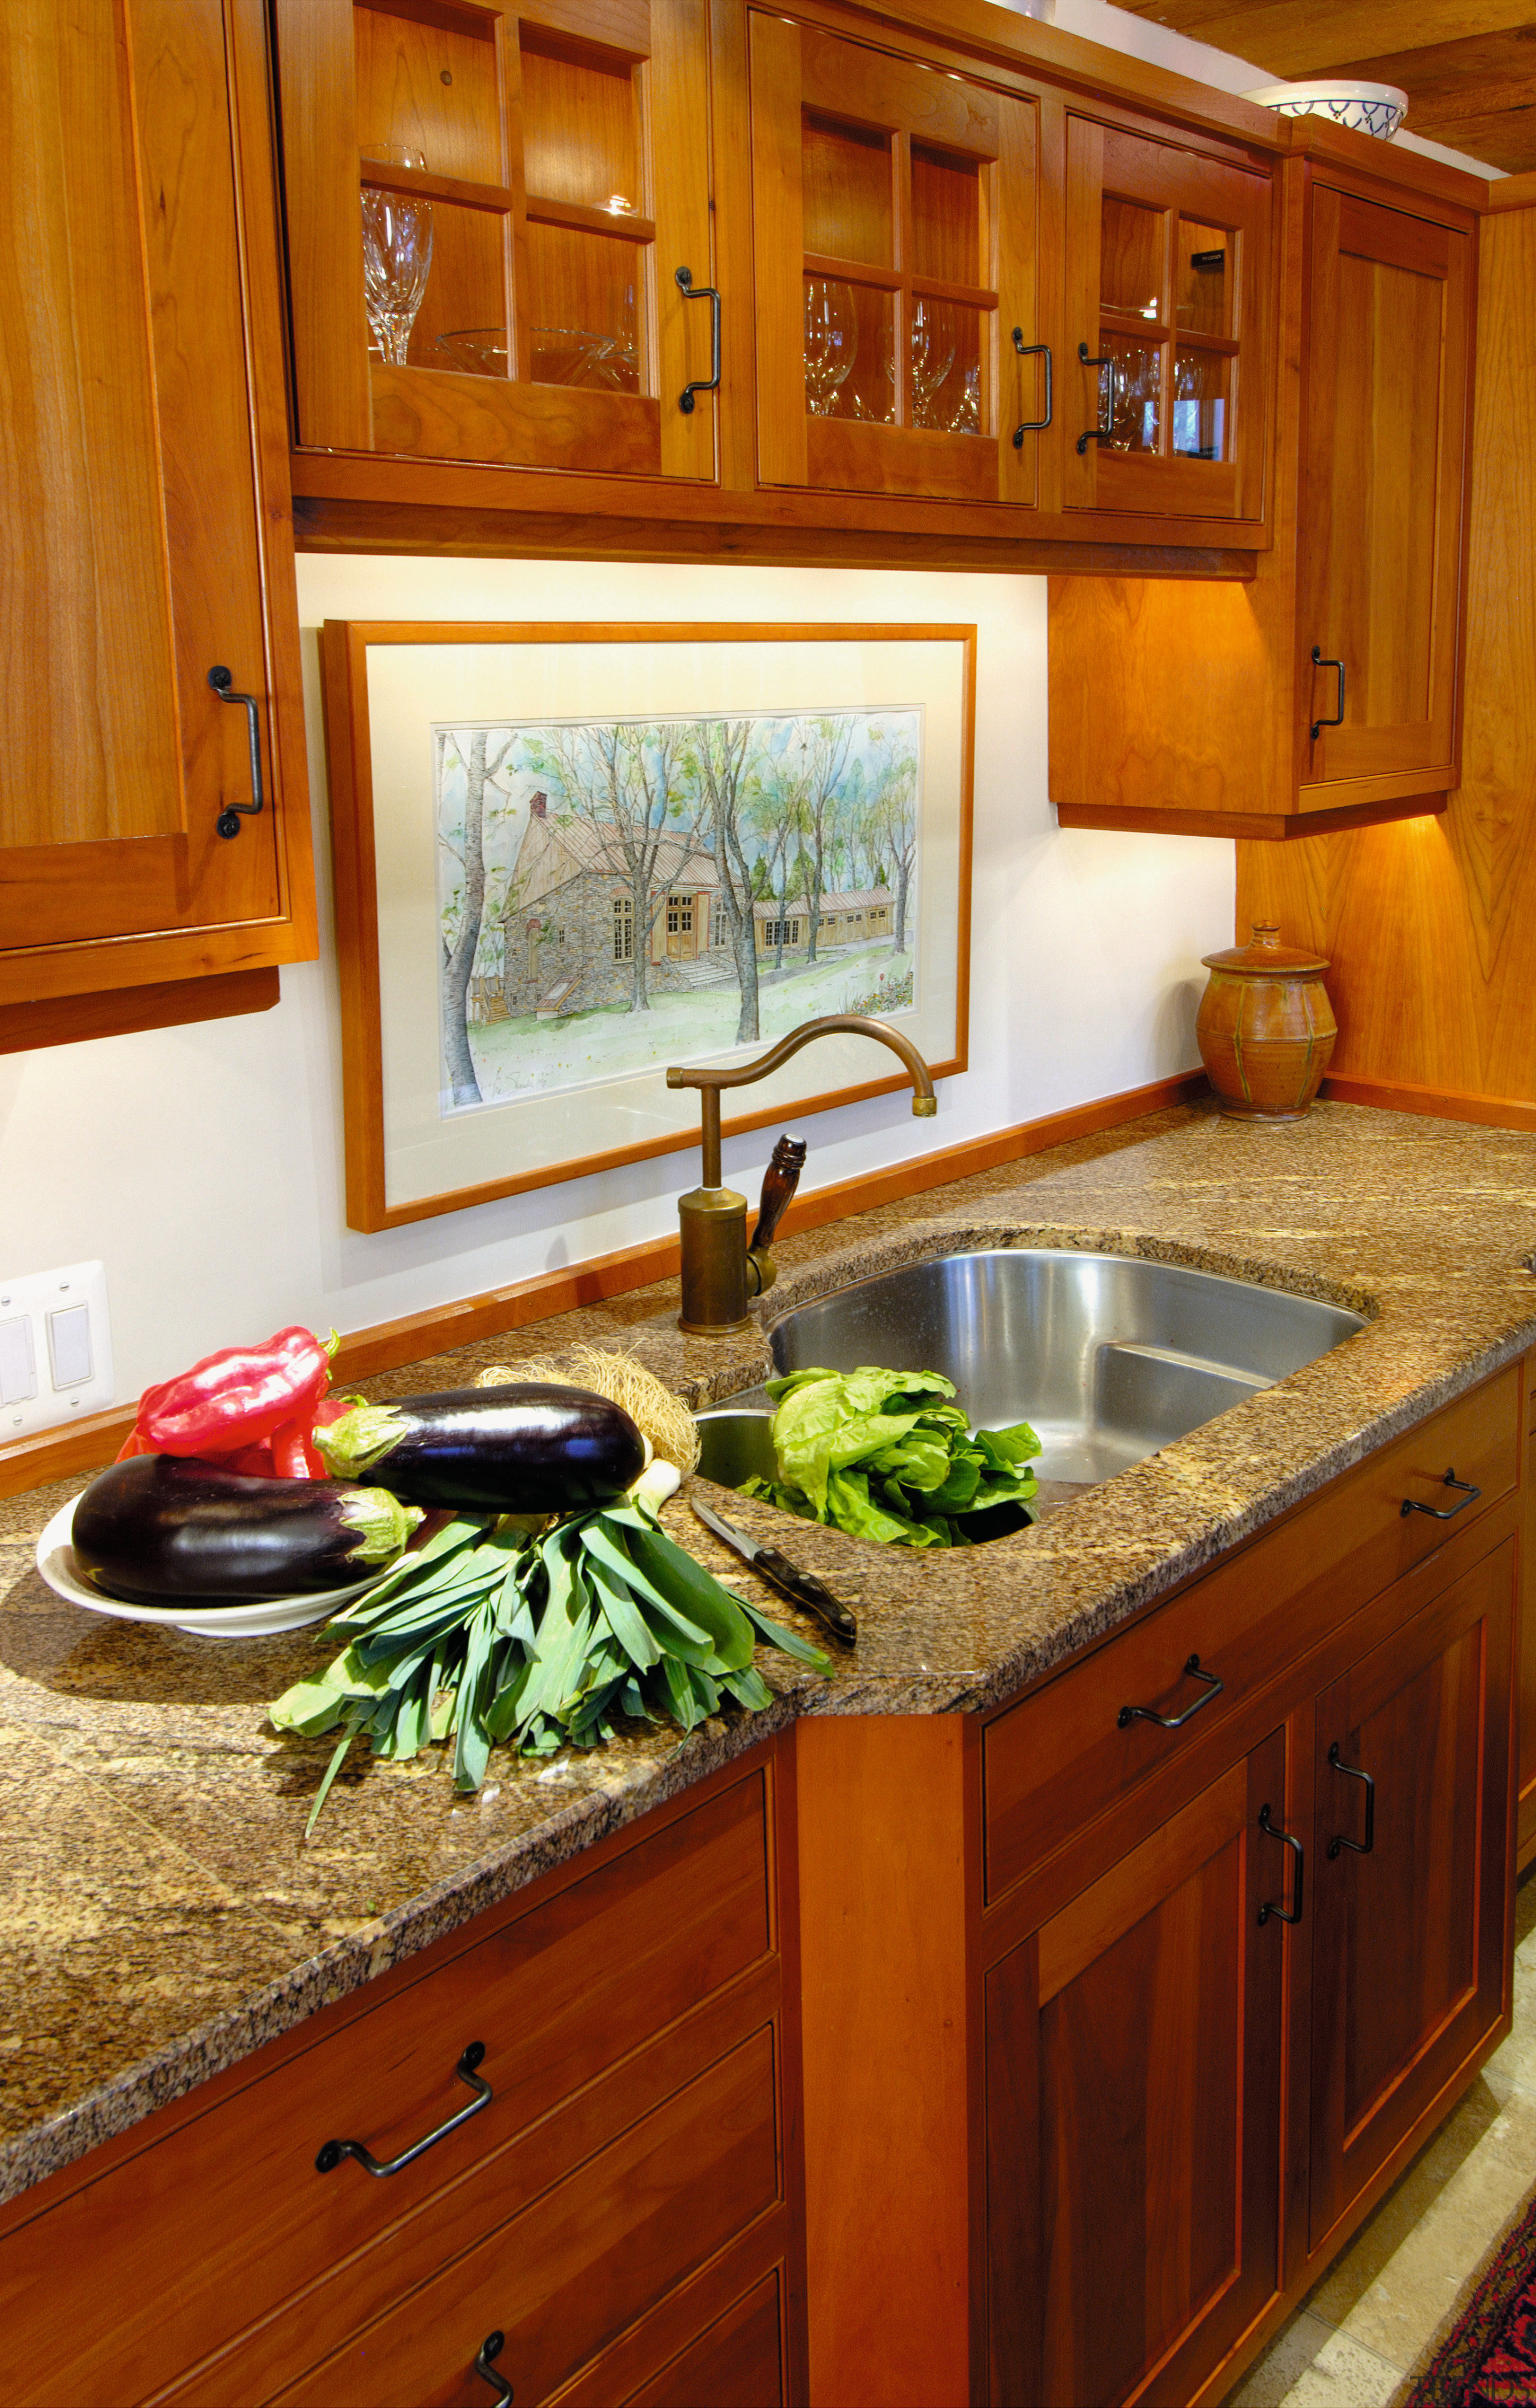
[[1267, 957]]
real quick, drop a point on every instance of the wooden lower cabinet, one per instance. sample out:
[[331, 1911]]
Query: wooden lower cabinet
[[1133, 2055]]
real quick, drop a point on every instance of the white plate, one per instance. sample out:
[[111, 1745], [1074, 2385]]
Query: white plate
[[260, 1619]]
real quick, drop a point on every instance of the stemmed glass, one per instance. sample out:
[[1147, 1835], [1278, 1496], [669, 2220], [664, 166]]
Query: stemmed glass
[[967, 416], [831, 342], [933, 360], [396, 255]]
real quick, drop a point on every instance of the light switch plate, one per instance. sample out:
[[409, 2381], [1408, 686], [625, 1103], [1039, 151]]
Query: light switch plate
[[70, 1358]]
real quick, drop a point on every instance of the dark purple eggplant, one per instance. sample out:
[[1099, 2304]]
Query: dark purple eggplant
[[161, 1528], [528, 1447]]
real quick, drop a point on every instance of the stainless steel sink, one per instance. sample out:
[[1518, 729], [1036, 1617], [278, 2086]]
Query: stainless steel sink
[[1109, 1358]]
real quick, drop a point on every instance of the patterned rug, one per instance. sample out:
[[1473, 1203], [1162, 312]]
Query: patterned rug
[[1489, 2359]]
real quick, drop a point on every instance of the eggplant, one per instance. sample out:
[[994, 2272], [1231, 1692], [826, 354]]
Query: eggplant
[[527, 1447], [161, 1528]]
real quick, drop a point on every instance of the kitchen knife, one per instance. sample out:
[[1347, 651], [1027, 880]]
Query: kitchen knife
[[803, 1588]]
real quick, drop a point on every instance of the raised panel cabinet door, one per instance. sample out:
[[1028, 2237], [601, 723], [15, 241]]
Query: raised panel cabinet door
[[1164, 399], [1411, 1831], [1383, 490], [489, 209], [894, 210], [1133, 2086], [133, 546]]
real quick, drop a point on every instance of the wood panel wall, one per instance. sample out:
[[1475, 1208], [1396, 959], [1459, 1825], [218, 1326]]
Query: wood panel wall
[[1430, 923]]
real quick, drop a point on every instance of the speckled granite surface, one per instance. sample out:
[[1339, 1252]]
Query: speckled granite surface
[[160, 1915]]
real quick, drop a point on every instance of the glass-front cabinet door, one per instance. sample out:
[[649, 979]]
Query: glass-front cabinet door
[[488, 208], [895, 214], [1164, 393]]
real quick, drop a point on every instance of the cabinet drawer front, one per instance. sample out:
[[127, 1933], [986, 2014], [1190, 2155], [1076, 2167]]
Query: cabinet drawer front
[[737, 2364], [1056, 1761], [232, 2202], [583, 2261]]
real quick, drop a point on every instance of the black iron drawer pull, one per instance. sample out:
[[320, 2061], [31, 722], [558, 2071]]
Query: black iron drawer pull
[[1319, 661], [1033, 352], [491, 2347], [1443, 1512], [1174, 1722], [228, 821], [1288, 1840], [332, 2154], [1352, 1773], [1105, 429], [683, 278]]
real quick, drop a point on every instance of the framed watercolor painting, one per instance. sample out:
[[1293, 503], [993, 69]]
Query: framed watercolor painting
[[568, 855]]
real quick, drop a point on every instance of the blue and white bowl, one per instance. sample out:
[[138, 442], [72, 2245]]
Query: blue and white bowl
[[1376, 108]]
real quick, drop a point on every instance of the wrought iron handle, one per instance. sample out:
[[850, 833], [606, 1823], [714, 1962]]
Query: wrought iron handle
[[228, 821], [334, 2151], [692, 291], [1319, 661], [1033, 352], [1101, 432], [1288, 1839], [1174, 1722], [491, 2348], [1352, 1773], [1443, 1512]]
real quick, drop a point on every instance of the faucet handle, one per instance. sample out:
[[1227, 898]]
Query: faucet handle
[[779, 1180]]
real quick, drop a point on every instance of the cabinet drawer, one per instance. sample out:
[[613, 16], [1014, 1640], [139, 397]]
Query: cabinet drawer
[[1056, 1761], [229, 2214], [737, 2364], [583, 2261]]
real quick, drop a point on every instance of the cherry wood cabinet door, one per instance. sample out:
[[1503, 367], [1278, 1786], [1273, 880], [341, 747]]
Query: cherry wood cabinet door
[[1411, 1831], [549, 159], [1164, 399], [1133, 2088], [895, 213], [137, 541], [1383, 490]]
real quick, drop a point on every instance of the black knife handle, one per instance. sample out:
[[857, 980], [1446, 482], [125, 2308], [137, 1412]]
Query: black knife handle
[[808, 1591]]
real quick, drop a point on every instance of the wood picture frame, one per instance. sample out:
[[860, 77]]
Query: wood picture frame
[[464, 1010]]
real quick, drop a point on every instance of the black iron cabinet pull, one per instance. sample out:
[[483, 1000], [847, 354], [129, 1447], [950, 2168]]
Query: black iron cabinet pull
[[1105, 429], [1443, 1512], [1352, 1773], [1033, 352], [683, 278], [1320, 660], [334, 2151], [1174, 1722], [1288, 1840], [228, 821], [491, 2350]]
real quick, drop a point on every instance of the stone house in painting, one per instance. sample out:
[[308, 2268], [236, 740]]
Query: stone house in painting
[[569, 936]]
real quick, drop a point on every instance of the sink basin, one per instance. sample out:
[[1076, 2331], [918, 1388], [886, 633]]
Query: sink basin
[[1109, 1358]]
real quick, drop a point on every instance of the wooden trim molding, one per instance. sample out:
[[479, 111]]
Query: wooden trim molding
[[69, 1019], [1439, 1103], [1272, 828], [86, 1445]]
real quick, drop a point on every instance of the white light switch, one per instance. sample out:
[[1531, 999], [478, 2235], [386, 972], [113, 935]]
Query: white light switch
[[18, 1364], [54, 1337], [69, 1345]]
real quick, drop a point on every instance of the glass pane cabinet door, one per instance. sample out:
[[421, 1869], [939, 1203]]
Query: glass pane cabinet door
[[489, 205], [895, 217], [1166, 279]]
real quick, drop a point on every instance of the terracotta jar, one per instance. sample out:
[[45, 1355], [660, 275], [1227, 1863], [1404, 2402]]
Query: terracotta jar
[[1266, 1027]]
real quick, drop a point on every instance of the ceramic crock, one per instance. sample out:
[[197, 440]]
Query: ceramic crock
[[1266, 1027]]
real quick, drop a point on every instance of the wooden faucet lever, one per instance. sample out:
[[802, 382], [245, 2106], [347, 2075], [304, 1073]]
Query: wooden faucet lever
[[779, 1180]]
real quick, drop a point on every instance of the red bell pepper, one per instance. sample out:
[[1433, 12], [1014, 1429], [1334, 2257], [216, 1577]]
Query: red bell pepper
[[242, 1398]]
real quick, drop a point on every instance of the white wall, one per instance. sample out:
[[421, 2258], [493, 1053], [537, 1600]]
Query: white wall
[[204, 1164]]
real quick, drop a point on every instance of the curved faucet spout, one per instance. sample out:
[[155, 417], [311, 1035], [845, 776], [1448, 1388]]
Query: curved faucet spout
[[834, 1024]]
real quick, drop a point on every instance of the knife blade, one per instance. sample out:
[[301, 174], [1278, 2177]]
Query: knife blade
[[803, 1588]]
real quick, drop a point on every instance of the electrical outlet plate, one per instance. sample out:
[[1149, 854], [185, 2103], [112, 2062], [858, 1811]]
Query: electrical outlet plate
[[56, 1349]]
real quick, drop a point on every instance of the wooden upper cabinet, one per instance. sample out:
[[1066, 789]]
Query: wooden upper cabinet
[[1381, 491], [146, 538], [894, 210], [1165, 390], [521, 184]]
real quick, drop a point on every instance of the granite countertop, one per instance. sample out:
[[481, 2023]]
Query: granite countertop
[[161, 1916]]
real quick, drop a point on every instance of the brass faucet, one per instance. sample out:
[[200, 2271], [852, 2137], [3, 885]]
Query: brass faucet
[[720, 1270]]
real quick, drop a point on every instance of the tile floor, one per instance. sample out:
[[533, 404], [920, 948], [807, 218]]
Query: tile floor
[[1351, 2343]]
